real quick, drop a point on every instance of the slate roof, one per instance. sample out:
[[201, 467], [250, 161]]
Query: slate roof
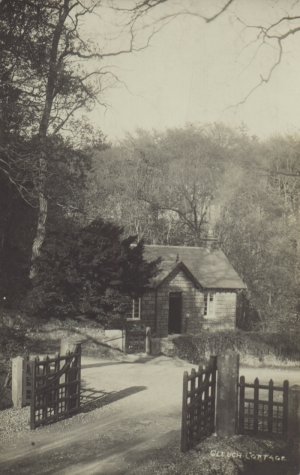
[[210, 268]]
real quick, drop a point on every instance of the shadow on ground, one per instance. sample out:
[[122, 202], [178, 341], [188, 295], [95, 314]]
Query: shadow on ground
[[92, 399], [140, 360]]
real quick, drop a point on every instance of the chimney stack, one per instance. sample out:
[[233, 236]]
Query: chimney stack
[[210, 242]]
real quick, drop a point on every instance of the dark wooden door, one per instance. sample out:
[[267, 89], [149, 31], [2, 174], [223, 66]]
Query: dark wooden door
[[175, 312]]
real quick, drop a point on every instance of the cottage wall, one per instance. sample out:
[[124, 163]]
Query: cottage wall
[[148, 309], [192, 302], [193, 321], [157, 302], [224, 317]]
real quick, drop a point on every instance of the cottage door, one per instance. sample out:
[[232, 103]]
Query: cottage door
[[175, 310]]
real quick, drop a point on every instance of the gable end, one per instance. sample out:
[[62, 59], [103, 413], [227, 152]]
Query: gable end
[[180, 266]]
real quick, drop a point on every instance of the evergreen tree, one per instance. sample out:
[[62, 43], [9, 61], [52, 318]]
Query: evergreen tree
[[89, 271]]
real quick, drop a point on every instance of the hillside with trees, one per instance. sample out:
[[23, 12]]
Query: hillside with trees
[[171, 187], [178, 186]]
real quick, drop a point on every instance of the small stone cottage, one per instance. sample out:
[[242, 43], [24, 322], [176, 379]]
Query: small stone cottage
[[196, 288]]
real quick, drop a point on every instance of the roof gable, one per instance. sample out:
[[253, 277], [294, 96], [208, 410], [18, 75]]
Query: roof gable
[[179, 266], [210, 269]]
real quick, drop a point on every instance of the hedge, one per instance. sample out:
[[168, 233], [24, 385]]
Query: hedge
[[195, 348]]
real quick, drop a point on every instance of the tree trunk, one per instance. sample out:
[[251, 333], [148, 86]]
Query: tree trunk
[[43, 131], [41, 220]]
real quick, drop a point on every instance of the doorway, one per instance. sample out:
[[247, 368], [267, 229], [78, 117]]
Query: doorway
[[175, 312]]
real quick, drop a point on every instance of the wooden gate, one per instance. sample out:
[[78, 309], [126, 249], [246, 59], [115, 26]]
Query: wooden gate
[[135, 337], [27, 385], [263, 409], [55, 390], [198, 405]]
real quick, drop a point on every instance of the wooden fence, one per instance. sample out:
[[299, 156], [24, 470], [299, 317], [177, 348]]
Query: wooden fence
[[263, 409], [55, 388], [198, 405]]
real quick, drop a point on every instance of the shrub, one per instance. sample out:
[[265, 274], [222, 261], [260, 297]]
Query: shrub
[[13, 341], [196, 348]]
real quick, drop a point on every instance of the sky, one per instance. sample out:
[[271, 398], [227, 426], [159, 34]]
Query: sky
[[194, 72]]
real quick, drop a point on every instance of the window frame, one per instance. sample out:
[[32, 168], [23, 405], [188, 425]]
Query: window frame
[[136, 315], [209, 304]]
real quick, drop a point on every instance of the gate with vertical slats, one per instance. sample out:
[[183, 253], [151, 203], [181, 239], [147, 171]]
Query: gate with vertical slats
[[27, 386], [55, 388], [263, 408], [198, 406], [135, 337]]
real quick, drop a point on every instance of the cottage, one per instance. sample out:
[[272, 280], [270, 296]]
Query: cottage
[[196, 288]]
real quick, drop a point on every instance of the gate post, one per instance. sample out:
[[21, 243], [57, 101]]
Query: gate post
[[293, 423], [294, 412], [148, 341], [69, 344], [227, 391], [184, 428], [17, 381]]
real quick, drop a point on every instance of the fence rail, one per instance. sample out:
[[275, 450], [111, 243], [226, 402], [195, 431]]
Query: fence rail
[[198, 405], [263, 416], [55, 388]]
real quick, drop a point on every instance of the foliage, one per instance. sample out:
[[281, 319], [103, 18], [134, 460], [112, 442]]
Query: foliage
[[64, 188], [259, 231], [90, 271], [12, 341], [44, 81], [162, 186], [258, 344], [42, 84], [17, 221], [42, 43], [177, 186]]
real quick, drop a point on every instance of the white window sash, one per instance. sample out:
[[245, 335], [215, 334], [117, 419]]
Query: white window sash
[[136, 315], [210, 305]]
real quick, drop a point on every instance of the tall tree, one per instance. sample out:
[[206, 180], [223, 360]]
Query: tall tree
[[51, 70]]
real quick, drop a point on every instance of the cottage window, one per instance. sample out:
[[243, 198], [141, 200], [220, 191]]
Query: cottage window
[[136, 309], [209, 304]]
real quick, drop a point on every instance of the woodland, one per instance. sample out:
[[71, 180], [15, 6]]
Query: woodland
[[72, 203], [180, 186]]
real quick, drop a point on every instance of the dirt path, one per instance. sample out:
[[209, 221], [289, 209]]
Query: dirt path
[[135, 410]]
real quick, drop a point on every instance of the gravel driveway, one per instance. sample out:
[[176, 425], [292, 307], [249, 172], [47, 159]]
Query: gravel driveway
[[134, 409]]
